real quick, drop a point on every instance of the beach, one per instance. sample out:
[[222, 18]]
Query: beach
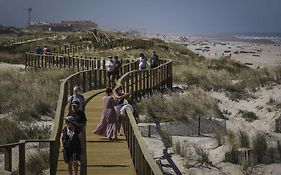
[[254, 54]]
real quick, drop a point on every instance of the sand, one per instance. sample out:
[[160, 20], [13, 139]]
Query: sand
[[269, 57]]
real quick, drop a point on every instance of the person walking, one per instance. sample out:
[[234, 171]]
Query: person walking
[[70, 145], [110, 67], [108, 124], [79, 115], [142, 62], [154, 60], [117, 69], [80, 119], [119, 108], [45, 50], [77, 96], [38, 50]]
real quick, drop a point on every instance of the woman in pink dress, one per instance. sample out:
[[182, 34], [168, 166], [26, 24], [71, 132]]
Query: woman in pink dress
[[108, 124]]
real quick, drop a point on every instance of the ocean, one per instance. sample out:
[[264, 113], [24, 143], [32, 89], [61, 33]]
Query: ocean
[[274, 37]]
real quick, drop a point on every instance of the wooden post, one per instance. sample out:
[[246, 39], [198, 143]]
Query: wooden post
[[84, 81], [53, 150], [199, 125], [8, 159], [83, 166], [22, 158], [25, 67], [246, 155]]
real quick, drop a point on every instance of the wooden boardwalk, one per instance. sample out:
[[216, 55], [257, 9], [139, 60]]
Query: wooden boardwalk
[[103, 157]]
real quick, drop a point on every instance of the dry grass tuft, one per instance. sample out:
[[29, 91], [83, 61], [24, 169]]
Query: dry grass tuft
[[179, 107]]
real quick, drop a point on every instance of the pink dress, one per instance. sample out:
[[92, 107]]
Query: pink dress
[[108, 124]]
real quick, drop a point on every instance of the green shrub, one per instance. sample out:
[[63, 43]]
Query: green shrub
[[247, 115], [239, 95]]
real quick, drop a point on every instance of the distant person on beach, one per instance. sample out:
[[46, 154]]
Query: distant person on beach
[[117, 69], [108, 124], [70, 145], [77, 96], [110, 67], [142, 62], [38, 50], [154, 60]]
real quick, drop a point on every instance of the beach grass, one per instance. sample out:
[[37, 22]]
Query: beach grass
[[36, 162], [32, 93], [244, 141], [260, 147], [179, 107]]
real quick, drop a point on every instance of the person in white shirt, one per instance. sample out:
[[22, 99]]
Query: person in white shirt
[[110, 67], [142, 62], [77, 96]]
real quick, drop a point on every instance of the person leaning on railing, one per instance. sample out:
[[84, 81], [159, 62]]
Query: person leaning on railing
[[122, 103]]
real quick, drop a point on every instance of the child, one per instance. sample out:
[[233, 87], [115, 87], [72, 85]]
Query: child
[[70, 144]]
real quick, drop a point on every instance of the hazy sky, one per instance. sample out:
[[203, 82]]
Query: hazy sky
[[157, 16]]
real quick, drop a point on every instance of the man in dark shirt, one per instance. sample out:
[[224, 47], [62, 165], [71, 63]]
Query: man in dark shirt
[[79, 115], [81, 120], [117, 69], [154, 60]]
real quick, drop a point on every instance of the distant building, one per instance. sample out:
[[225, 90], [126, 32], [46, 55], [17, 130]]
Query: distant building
[[63, 26]]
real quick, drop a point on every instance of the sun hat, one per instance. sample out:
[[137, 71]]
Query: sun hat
[[76, 89], [70, 119]]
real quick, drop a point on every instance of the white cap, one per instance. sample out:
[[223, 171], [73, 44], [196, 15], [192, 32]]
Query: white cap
[[76, 89]]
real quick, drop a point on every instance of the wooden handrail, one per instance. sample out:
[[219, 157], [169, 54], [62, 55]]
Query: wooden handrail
[[94, 77], [143, 82]]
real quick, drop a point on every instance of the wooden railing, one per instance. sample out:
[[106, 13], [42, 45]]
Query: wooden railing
[[94, 77], [122, 44], [142, 83], [64, 61], [88, 80]]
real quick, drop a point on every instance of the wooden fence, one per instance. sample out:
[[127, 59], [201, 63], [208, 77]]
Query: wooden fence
[[141, 83], [94, 77], [122, 44]]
